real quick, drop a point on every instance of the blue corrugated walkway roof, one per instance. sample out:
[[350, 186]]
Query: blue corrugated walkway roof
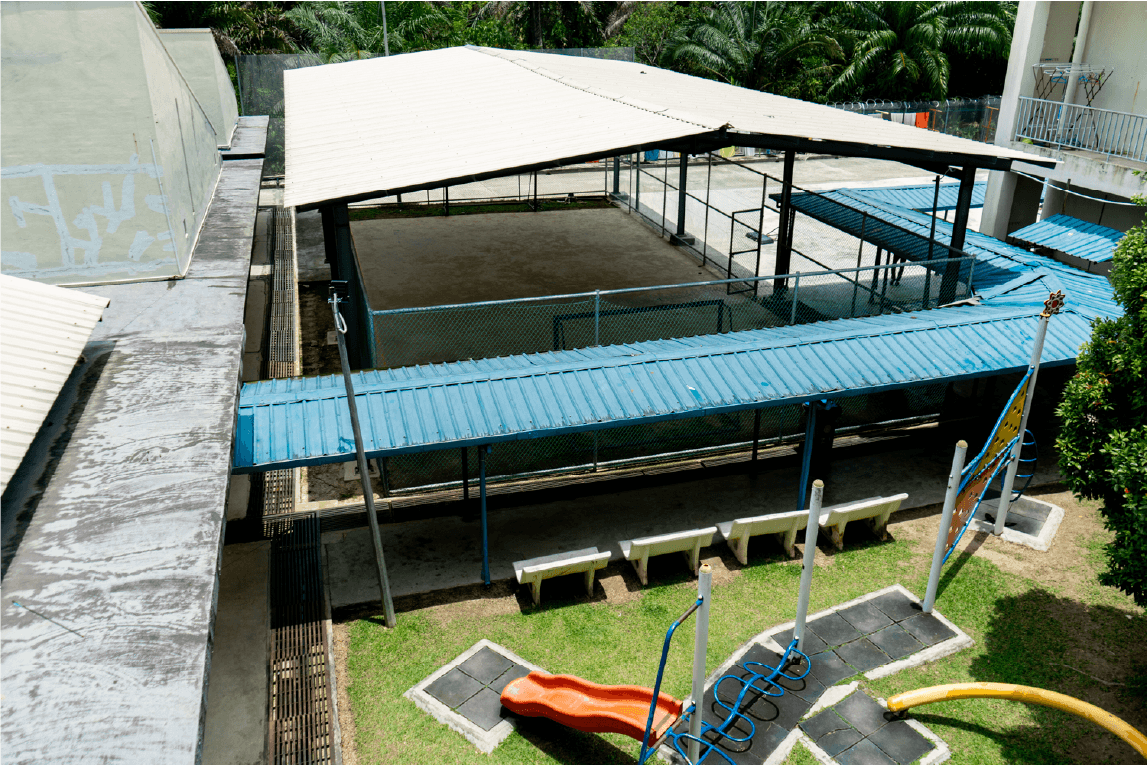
[[298, 422], [920, 196], [1089, 241]]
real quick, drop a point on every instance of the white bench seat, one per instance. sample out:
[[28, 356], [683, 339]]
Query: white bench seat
[[874, 510], [638, 551], [784, 525], [534, 571]]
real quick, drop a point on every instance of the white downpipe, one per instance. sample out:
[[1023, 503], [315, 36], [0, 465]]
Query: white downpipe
[[1010, 474], [1078, 52], [807, 561], [946, 520], [701, 639]]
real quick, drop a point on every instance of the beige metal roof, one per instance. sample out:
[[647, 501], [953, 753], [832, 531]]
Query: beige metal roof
[[423, 119], [43, 330]]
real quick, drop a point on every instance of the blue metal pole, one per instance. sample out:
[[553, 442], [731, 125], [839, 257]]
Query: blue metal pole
[[482, 504], [807, 455]]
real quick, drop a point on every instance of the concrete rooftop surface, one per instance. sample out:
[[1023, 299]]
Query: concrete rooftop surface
[[115, 556]]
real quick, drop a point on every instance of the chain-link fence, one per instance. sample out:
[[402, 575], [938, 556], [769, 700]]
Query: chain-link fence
[[404, 337], [968, 118]]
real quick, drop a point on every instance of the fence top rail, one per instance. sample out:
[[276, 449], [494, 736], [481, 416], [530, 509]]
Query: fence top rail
[[650, 288], [1052, 103]]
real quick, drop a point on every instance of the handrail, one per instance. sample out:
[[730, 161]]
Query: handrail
[[645, 752], [1106, 131]]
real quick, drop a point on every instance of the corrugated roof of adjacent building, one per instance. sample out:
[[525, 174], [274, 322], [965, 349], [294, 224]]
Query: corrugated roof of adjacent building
[[43, 330], [1088, 241], [368, 128], [920, 196]]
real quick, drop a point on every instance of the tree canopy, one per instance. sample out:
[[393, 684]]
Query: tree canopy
[[1103, 414]]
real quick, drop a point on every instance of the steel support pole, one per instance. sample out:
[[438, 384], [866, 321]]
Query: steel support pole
[[465, 474], [957, 242], [946, 520], [808, 553], [482, 450], [617, 174], [807, 452], [680, 229], [1010, 474], [364, 470], [785, 236], [701, 640], [756, 432]]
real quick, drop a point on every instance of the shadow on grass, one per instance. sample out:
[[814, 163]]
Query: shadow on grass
[[567, 745], [1095, 653]]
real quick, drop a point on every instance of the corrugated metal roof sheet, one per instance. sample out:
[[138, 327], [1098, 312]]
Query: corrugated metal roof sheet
[[920, 196], [1089, 241], [43, 329], [420, 120], [299, 422]]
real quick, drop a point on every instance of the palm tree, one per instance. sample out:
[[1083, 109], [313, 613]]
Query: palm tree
[[752, 44], [898, 49]]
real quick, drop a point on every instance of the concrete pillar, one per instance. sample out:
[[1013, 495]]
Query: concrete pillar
[[1055, 201]]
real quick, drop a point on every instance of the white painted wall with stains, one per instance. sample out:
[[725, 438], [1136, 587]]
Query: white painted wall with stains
[[195, 53], [108, 160]]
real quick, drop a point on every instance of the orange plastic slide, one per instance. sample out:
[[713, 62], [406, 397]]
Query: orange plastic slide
[[587, 706]]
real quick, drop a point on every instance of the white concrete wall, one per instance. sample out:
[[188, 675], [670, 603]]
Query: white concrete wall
[[195, 53], [87, 92], [185, 141], [1118, 40]]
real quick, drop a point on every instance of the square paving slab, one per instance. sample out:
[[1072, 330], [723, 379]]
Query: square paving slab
[[834, 629], [465, 693], [866, 617], [855, 731]]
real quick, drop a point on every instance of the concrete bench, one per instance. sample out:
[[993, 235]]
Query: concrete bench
[[875, 510], [638, 552], [534, 571], [784, 525]]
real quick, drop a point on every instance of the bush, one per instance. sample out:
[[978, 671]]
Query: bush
[[1103, 413]]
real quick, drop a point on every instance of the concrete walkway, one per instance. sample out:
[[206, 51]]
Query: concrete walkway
[[446, 552]]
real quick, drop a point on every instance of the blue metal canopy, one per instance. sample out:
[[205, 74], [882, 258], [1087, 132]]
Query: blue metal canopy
[[1088, 241], [298, 422], [920, 196]]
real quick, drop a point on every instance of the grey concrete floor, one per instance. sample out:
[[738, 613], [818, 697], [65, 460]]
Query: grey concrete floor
[[236, 727], [440, 553]]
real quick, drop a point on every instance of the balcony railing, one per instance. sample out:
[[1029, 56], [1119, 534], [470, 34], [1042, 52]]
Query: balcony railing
[[1068, 126]]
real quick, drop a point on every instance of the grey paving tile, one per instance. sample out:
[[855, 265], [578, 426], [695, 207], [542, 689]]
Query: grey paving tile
[[864, 752], [863, 713], [812, 644], [901, 742], [765, 741], [836, 741], [927, 629], [896, 642], [514, 672], [485, 665], [453, 688], [862, 655], [484, 709], [821, 724], [828, 668], [896, 604], [865, 617], [833, 629]]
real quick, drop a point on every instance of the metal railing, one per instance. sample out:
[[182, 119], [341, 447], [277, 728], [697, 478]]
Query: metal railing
[[974, 119], [1069, 126]]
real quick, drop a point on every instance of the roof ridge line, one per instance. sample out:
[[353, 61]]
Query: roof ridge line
[[554, 77]]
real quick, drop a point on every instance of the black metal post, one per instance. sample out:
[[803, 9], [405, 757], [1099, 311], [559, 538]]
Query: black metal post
[[482, 450], [364, 470], [465, 474], [756, 432], [535, 203], [327, 214], [446, 200], [785, 236], [957, 242], [617, 175], [933, 223], [680, 237], [344, 268]]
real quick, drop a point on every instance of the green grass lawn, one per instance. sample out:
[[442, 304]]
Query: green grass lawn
[[1088, 644]]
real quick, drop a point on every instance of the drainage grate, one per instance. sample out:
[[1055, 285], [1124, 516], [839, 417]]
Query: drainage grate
[[282, 360], [300, 712]]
